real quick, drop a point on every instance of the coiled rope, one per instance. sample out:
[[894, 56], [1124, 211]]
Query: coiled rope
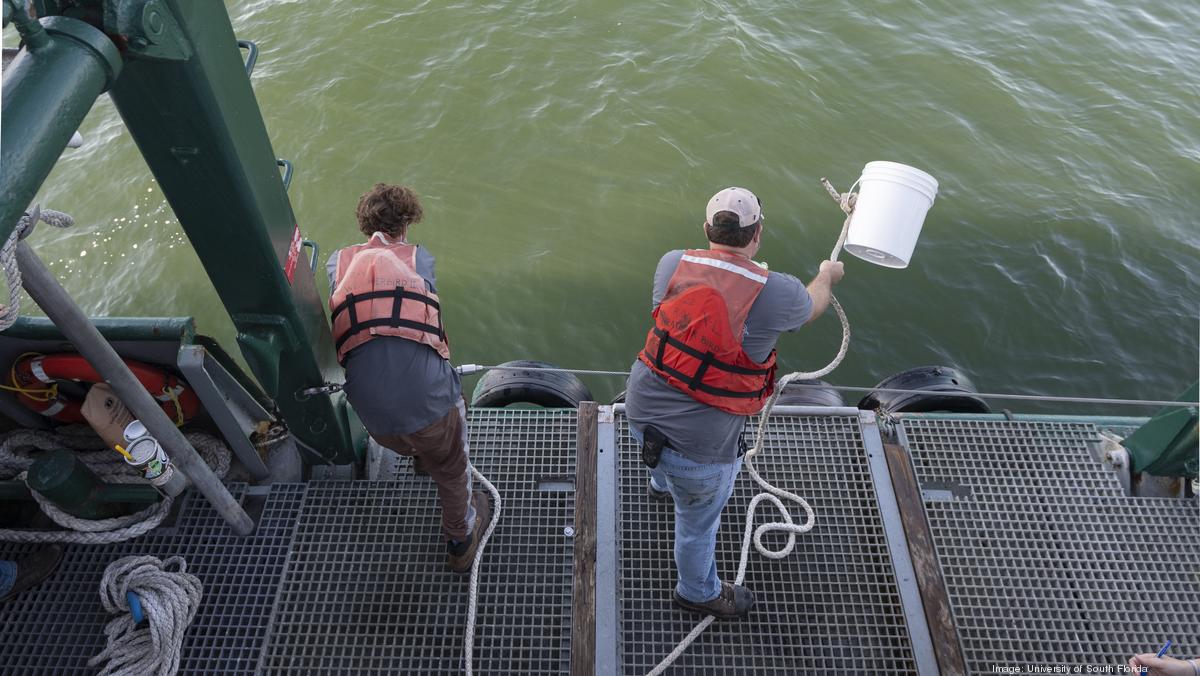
[[17, 453], [771, 493], [169, 596]]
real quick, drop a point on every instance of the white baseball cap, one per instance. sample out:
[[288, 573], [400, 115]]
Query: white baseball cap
[[737, 200]]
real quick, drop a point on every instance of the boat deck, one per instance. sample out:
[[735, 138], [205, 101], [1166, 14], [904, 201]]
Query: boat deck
[[1039, 555]]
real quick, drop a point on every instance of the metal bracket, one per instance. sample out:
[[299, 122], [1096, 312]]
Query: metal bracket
[[236, 413], [150, 27]]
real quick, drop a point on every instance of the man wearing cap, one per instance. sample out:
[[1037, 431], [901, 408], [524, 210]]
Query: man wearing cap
[[708, 364]]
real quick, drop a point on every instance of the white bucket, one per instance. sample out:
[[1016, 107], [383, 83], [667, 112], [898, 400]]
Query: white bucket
[[892, 202]]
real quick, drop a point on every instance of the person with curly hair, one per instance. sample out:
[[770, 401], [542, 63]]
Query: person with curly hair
[[387, 328]]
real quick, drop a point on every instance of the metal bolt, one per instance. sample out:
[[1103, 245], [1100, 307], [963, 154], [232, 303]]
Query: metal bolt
[[569, 532]]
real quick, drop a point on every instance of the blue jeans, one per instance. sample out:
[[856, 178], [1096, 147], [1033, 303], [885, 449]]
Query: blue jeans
[[700, 492]]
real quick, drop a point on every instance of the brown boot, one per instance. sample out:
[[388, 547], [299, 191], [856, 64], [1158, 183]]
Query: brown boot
[[734, 601], [460, 556]]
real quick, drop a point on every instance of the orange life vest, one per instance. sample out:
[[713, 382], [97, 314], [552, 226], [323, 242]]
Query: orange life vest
[[378, 292], [696, 342]]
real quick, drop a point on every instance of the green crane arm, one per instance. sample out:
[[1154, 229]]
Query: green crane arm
[[185, 96]]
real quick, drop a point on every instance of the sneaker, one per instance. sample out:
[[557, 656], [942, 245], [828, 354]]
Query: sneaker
[[34, 568], [734, 601], [657, 495], [460, 556]]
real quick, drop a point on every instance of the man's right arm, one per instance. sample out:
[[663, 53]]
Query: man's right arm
[[820, 289]]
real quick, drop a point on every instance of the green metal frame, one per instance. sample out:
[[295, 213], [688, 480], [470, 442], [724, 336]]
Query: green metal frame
[[185, 96], [1169, 444]]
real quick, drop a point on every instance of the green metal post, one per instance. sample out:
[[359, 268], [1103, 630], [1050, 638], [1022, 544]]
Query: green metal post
[[186, 99], [63, 479], [1167, 445], [48, 90]]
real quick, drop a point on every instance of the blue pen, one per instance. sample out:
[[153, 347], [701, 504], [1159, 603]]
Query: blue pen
[[1161, 652]]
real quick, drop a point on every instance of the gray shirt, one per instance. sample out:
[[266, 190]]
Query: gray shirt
[[398, 386], [700, 432]]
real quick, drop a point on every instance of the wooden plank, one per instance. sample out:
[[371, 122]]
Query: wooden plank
[[947, 645], [583, 614]]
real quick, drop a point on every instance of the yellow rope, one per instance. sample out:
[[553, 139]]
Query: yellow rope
[[36, 393], [170, 392]]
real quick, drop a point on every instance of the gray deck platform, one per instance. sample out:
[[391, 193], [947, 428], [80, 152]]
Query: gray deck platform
[[1045, 562]]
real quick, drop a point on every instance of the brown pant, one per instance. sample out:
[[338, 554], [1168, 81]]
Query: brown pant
[[442, 449]]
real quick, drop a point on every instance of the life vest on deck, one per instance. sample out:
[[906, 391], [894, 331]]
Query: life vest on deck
[[378, 292], [696, 342]]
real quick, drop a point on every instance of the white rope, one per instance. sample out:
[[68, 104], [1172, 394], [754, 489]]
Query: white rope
[[16, 456], [169, 598], [8, 258], [473, 590], [773, 493]]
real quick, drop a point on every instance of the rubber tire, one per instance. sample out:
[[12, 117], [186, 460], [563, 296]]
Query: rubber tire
[[553, 389], [949, 391], [824, 395]]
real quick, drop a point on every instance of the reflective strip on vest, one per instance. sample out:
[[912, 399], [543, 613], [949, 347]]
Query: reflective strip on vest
[[728, 267]]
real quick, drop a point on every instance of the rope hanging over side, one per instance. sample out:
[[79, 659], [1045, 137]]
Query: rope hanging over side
[[473, 590], [771, 493], [169, 596], [8, 258]]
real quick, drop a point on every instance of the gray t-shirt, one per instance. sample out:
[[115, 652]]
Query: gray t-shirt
[[399, 386], [700, 432]]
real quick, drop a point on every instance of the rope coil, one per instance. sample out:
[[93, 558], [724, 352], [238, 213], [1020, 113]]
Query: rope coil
[[17, 455], [169, 596]]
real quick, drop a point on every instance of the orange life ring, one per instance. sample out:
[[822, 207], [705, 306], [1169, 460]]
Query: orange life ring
[[33, 379]]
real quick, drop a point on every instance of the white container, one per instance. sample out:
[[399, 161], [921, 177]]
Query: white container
[[890, 209]]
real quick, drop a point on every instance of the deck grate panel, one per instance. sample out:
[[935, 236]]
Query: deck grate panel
[[57, 626], [832, 602], [1046, 561], [367, 589]]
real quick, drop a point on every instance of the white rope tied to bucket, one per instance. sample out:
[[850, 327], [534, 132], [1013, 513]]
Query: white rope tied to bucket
[[169, 597], [473, 589], [771, 493]]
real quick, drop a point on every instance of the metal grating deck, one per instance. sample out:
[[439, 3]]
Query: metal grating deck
[[56, 627], [367, 589], [832, 603], [1047, 562]]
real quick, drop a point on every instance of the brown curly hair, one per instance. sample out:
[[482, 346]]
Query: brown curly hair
[[389, 209]]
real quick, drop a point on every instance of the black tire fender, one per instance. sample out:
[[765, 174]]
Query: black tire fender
[[529, 385], [945, 389], [810, 393]]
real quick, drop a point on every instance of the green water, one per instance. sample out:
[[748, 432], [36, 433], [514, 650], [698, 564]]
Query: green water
[[561, 147]]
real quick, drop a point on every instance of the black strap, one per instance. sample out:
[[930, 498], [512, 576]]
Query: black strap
[[662, 347], [709, 389], [665, 338], [397, 300], [397, 293], [699, 377], [387, 321]]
